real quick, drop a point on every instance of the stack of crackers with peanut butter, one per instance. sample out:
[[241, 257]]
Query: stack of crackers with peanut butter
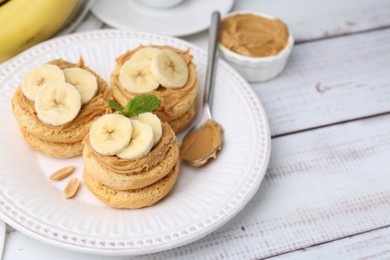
[[129, 145], [168, 73], [56, 104]]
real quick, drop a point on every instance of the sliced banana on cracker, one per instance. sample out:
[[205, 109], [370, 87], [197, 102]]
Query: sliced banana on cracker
[[135, 76], [141, 142], [170, 69], [84, 81], [57, 103], [110, 134], [39, 76], [153, 121], [147, 53]]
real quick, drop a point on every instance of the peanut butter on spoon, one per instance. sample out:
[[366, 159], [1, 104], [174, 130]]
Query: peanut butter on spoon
[[202, 143], [204, 140]]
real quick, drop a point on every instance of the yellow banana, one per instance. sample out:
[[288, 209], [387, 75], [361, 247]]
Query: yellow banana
[[27, 22]]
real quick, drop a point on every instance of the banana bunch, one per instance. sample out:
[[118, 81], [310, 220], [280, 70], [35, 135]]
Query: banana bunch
[[58, 94], [27, 22], [151, 67], [127, 138]]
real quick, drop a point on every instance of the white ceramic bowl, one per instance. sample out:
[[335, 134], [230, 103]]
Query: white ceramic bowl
[[261, 68], [161, 3]]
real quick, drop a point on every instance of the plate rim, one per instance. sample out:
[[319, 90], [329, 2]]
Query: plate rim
[[119, 25], [189, 238]]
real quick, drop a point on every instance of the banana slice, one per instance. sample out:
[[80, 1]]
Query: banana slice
[[57, 103], [153, 121], [37, 77], [135, 76], [110, 134], [141, 142], [147, 53], [84, 81], [170, 69]]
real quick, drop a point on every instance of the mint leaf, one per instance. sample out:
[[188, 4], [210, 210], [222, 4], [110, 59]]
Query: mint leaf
[[141, 104], [112, 104]]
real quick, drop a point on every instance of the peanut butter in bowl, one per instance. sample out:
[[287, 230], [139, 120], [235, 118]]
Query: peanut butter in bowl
[[256, 44], [253, 36]]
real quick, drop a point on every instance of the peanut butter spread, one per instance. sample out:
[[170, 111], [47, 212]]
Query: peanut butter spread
[[253, 36], [97, 106], [125, 166], [170, 97], [202, 142]]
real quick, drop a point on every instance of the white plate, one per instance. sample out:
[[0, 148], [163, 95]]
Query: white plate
[[189, 17], [202, 200]]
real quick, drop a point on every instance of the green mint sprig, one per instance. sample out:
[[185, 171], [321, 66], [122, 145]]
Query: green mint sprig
[[137, 105]]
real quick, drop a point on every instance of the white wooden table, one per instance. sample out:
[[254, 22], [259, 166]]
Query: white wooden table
[[327, 190]]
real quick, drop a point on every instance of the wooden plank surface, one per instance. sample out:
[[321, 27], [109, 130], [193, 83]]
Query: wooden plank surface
[[317, 19], [329, 81], [321, 185], [371, 245]]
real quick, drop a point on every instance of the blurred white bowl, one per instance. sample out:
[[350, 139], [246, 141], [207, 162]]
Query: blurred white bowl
[[161, 3], [257, 69]]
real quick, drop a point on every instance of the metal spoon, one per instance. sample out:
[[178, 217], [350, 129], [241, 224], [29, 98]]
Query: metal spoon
[[208, 91]]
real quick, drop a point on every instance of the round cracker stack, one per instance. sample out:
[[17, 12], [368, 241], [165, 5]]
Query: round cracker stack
[[134, 185], [62, 141], [178, 114]]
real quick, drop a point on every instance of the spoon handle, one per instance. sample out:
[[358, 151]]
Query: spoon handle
[[213, 41]]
